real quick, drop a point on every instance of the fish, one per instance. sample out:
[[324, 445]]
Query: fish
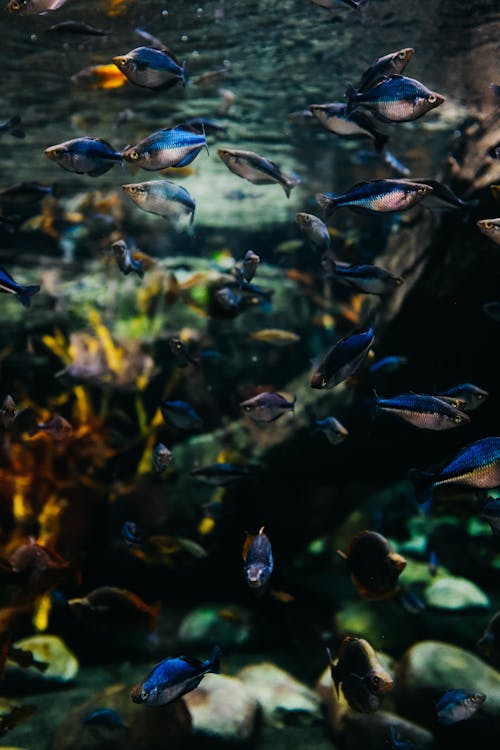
[[342, 360], [445, 193], [398, 743], [334, 430], [386, 66], [86, 155], [124, 259], [105, 724], [275, 336], [490, 228], [203, 125], [491, 514], [150, 39], [375, 567], [423, 411], [78, 28], [174, 677], [13, 126], [333, 4], [366, 279], [489, 643], [334, 118], [230, 301], [267, 406], [258, 560], [359, 673], [24, 658], [458, 705], [21, 292], [376, 196], [25, 193], [37, 567], [250, 264], [161, 197], [181, 415], [151, 68], [33, 7], [181, 353], [492, 310], [391, 363], [100, 77], [8, 412], [12, 714], [472, 396], [161, 458], [395, 99], [257, 169], [314, 230], [220, 474], [169, 147], [112, 610], [475, 465], [58, 428], [432, 564]]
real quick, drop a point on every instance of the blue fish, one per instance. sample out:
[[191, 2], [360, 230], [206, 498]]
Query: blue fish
[[170, 147], [124, 259], [91, 156], [391, 363], [181, 414], [366, 279], [342, 360], [105, 724], [174, 677], [395, 99], [391, 64], [151, 68], [22, 293], [458, 705], [376, 196], [398, 743], [475, 465], [423, 411], [470, 394], [258, 560]]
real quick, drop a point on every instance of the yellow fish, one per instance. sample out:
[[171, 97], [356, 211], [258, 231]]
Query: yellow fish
[[100, 77], [275, 336]]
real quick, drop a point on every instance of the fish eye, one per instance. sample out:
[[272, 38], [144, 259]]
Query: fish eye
[[132, 189], [134, 155], [15, 6], [457, 419], [421, 190], [401, 56], [144, 694], [323, 382], [178, 345], [432, 98], [488, 225], [475, 698], [375, 681], [247, 408]]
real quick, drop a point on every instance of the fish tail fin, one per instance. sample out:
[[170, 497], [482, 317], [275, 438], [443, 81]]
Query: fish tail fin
[[184, 77], [291, 180], [191, 218], [25, 294], [205, 137], [213, 663], [350, 95], [13, 126], [422, 481], [327, 203]]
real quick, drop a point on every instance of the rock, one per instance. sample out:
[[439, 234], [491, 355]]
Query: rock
[[284, 699], [229, 626], [146, 728], [373, 732], [62, 663], [430, 668], [455, 593], [223, 709]]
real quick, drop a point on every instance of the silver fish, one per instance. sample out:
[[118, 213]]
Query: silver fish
[[314, 230], [267, 407], [257, 169], [161, 197]]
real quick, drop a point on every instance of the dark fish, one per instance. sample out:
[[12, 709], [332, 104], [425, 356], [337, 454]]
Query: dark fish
[[13, 126], [250, 264], [342, 360], [489, 643], [161, 458], [397, 166], [91, 156], [150, 39], [333, 117], [398, 743], [24, 658], [124, 259], [258, 560], [423, 411], [230, 300], [267, 407], [445, 193], [151, 68], [395, 99], [174, 677], [181, 415], [257, 169], [113, 610], [471, 395], [432, 564], [37, 567], [492, 309], [161, 197], [391, 363], [11, 715], [374, 566], [333, 4], [33, 7], [363, 679], [376, 196], [131, 535], [181, 353], [458, 705], [170, 147], [78, 27], [58, 428], [221, 474], [366, 279], [491, 514], [490, 228], [8, 412], [314, 230], [335, 432], [26, 193], [22, 293], [204, 125], [105, 724], [384, 67], [475, 465]]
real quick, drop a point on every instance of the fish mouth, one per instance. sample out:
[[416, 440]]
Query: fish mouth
[[120, 60], [439, 99], [135, 694], [50, 152]]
